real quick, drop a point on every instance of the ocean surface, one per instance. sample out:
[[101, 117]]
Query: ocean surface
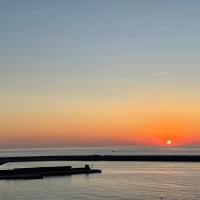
[[119, 180]]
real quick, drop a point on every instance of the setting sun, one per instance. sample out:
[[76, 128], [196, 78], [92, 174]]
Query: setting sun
[[169, 142]]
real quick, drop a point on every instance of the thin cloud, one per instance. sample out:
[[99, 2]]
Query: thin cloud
[[160, 74]]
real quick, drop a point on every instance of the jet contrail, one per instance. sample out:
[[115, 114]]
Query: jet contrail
[[160, 74]]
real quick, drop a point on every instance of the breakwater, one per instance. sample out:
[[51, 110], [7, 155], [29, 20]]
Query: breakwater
[[40, 172], [153, 158]]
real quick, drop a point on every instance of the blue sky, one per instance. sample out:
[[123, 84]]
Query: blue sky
[[91, 49]]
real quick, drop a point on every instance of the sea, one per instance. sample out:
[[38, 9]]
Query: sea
[[118, 180]]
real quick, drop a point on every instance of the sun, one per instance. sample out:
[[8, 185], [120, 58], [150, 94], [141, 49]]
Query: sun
[[169, 142]]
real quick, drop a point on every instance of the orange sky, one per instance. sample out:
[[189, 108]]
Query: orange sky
[[99, 73], [122, 121]]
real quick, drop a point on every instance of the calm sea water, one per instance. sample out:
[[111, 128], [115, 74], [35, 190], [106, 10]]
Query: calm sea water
[[119, 180]]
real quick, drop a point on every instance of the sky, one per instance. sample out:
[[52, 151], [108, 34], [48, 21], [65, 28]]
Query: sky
[[99, 72]]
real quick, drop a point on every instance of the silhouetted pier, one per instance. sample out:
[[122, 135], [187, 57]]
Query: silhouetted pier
[[40, 172]]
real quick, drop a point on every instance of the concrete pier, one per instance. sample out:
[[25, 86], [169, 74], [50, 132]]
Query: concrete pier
[[40, 172]]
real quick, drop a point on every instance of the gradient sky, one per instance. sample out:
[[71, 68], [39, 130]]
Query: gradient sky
[[104, 72]]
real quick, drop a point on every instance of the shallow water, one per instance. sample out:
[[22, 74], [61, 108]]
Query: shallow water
[[119, 180]]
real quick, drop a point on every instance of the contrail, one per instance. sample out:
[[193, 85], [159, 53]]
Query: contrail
[[160, 74]]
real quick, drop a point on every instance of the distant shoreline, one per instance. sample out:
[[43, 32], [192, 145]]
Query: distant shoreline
[[146, 158]]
